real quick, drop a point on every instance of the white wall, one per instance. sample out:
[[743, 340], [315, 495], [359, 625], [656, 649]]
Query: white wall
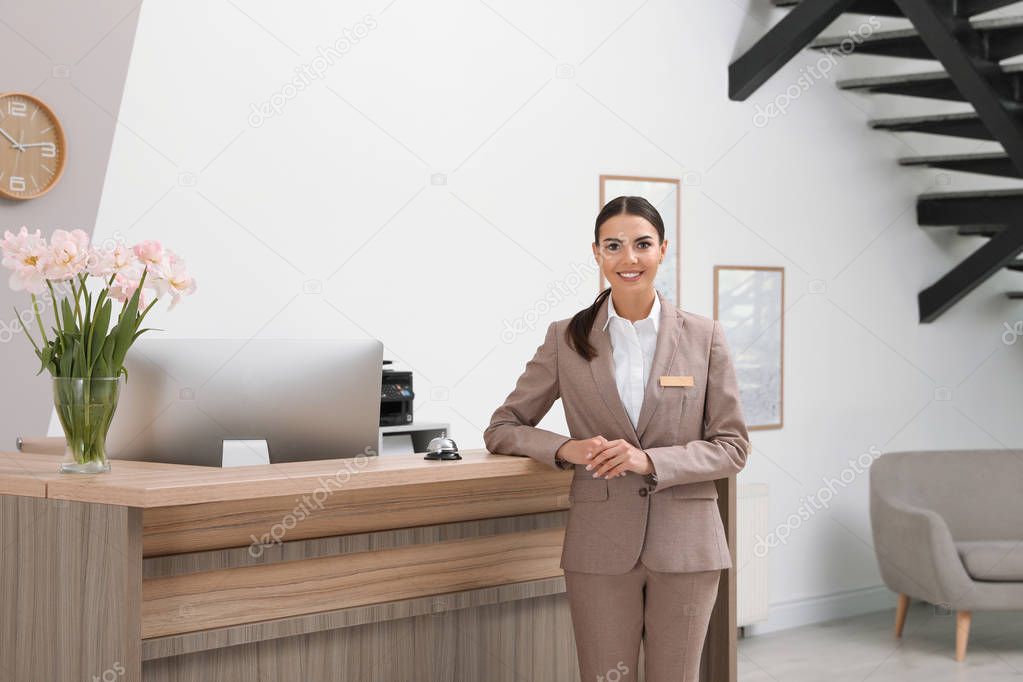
[[334, 197]]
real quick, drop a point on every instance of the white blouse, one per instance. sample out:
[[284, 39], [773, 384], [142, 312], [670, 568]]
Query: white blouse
[[632, 348]]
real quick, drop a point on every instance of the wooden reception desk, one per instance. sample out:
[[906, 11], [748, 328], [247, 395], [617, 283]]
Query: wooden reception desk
[[372, 569]]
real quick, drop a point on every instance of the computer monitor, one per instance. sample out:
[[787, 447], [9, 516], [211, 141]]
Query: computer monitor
[[308, 398]]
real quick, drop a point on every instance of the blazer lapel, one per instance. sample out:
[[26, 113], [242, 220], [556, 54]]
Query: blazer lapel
[[669, 332]]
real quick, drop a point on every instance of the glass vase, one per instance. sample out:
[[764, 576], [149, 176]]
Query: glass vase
[[85, 408]]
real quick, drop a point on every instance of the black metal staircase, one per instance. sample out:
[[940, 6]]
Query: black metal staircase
[[955, 125], [970, 51]]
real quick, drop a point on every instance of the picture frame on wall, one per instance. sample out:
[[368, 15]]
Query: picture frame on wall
[[749, 302], [665, 195]]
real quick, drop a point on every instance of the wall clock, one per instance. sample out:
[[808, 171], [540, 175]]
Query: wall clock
[[33, 149]]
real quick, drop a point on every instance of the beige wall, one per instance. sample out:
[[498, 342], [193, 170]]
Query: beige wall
[[74, 56]]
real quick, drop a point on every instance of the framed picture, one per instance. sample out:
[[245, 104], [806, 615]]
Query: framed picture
[[663, 193], [749, 302]]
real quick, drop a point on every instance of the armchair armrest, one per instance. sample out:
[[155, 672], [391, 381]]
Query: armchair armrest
[[916, 553]]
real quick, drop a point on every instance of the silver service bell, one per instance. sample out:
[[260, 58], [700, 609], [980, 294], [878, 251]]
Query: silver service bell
[[442, 448]]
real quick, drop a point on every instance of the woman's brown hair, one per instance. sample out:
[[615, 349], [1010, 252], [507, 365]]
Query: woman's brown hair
[[578, 332]]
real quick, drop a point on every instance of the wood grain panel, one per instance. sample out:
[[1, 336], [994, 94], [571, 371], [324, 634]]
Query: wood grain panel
[[30, 473], [192, 642], [183, 485], [529, 639], [192, 528], [720, 658], [71, 577], [213, 599], [23, 476], [314, 548]]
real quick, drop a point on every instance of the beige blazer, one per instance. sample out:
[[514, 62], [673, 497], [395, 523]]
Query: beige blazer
[[693, 435]]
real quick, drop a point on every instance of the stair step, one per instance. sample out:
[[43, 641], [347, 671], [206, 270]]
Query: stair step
[[991, 163], [1016, 265], [888, 8], [999, 39], [932, 84], [1014, 294], [989, 209], [967, 124], [979, 231]]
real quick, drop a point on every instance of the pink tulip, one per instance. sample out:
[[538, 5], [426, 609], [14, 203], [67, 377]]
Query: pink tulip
[[69, 252], [120, 259], [170, 276], [150, 252], [27, 255]]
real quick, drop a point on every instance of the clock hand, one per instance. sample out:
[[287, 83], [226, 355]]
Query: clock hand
[[16, 144], [37, 144]]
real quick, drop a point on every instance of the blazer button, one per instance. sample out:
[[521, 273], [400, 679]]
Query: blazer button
[[642, 492]]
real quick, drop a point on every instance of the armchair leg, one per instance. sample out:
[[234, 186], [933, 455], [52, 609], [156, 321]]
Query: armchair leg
[[900, 614], [962, 633]]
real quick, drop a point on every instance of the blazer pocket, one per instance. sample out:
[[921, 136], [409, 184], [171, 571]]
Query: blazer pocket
[[588, 490], [702, 490]]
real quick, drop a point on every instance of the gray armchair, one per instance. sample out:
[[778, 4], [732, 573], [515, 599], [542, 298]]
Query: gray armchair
[[948, 529]]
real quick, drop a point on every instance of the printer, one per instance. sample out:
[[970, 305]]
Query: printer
[[395, 397]]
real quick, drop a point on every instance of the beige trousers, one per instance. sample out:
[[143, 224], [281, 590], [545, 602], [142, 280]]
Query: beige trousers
[[668, 612]]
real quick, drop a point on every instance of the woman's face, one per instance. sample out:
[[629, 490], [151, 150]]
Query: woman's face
[[628, 252]]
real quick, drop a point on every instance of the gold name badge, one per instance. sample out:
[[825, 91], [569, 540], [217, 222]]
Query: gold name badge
[[677, 381]]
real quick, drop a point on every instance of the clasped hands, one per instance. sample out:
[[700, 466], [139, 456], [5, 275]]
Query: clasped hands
[[607, 458]]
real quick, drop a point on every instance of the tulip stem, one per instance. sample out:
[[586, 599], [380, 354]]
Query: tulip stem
[[53, 301], [39, 319]]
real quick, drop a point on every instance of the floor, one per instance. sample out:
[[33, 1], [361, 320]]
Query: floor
[[863, 648]]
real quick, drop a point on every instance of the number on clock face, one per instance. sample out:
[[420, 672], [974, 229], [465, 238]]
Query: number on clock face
[[32, 147]]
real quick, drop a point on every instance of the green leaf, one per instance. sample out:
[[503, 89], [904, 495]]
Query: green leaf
[[108, 351], [101, 298], [25, 328], [80, 365], [69, 316], [143, 331], [99, 332], [65, 362], [133, 303], [45, 356]]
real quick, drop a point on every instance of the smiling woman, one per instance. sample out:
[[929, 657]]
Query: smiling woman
[[652, 405], [33, 149]]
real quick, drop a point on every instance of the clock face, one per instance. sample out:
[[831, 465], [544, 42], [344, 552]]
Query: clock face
[[32, 147]]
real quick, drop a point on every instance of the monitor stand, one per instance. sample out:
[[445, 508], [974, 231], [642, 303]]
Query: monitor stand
[[240, 453]]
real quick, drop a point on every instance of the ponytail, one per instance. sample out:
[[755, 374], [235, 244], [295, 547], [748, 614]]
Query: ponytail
[[578, 333]]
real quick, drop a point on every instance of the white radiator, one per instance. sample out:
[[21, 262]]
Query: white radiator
[[751, 579]]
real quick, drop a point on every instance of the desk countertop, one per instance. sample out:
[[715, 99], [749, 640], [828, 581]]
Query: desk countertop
[[151, 484]]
